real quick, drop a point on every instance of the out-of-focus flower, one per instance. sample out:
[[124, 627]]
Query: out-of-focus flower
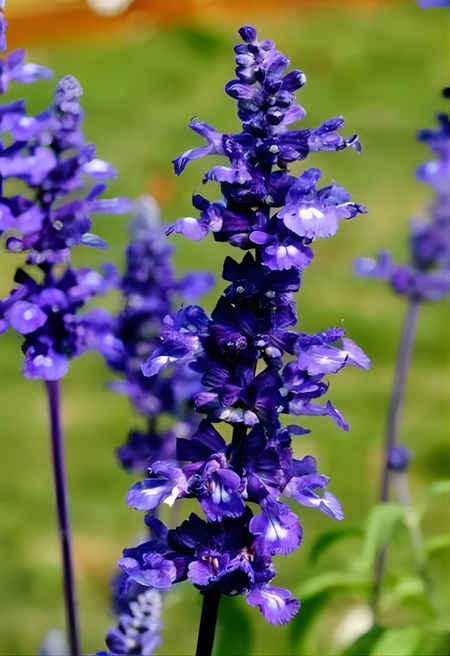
[[139, 626], [399, 458], [427, 278], [150, 287], [426, 4]]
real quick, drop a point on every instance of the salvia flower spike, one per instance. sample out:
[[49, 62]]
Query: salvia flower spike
[[426, 278], [49, 154], [139, 609], [253, 367], [151, 291]]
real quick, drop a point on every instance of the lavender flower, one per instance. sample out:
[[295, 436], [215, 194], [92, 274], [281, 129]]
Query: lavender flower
[[253, 367], [427, 278]]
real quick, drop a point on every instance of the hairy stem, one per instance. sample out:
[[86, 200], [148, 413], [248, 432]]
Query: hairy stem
[[207, 629], [62, 506]]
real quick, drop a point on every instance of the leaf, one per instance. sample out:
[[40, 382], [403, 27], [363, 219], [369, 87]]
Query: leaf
[[365, 643], [235, 634], [399, 642], [381, 524], [411, 586], [439, 487], [328, 539], [333, 581], [412, 592], [436, 543]]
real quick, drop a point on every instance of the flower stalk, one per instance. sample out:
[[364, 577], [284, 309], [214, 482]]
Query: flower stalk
[[208, 621], [397, 401], [62, 508]]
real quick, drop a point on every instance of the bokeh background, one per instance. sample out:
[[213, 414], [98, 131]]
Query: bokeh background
[[145, 72]]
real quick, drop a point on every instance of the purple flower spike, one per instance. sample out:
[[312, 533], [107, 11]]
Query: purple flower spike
[[139, 609], [252, 365]]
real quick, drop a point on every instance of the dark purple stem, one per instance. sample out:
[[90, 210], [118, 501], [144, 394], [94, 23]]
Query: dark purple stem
[[394, 420], [62, 506], [395, 413], [207, 630]]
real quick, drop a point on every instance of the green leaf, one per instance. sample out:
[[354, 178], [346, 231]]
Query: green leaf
[[412, 592], [399, 642], [364, 644], [411, 586], [328, 539], [235, 630], [439, 487], [381, 524], [436, 543], [333, 581]]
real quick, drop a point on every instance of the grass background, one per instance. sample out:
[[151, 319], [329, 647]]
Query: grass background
[[382, 68]]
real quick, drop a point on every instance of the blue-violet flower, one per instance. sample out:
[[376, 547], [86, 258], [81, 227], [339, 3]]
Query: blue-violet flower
[[253, 367], [427, 277], [50, 155]]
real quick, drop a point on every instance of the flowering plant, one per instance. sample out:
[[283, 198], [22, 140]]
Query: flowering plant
[[50, 155], [253, 368]]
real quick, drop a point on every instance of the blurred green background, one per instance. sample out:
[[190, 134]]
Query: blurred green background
[[382, 67]]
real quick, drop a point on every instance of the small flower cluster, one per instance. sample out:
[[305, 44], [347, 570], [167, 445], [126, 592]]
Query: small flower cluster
[[139, 609], [427, 279], [399, 458], [252, 367], [50, 155]]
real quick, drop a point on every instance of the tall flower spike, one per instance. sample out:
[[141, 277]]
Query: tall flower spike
[[427, 278], [49, 154], [253, 367], [149, 287], [139, 627]]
